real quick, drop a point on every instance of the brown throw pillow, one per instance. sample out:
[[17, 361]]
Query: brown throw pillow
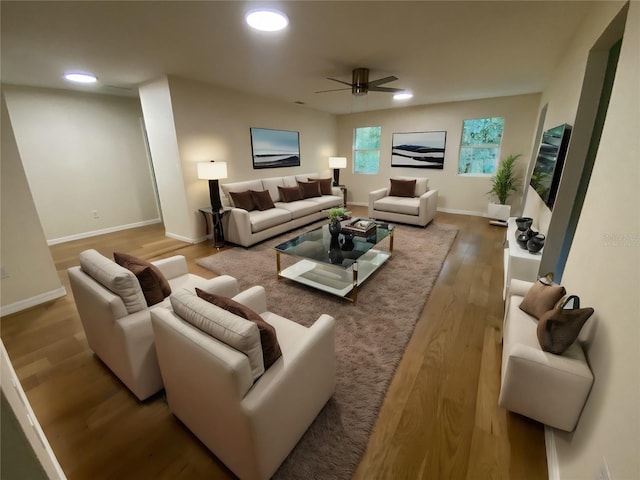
[[325, 185], [541, 298], [153, 283], [270, 346], [290, 194], [558, 328], [402, 188], [243, 200], [310, 189], [262, 200]]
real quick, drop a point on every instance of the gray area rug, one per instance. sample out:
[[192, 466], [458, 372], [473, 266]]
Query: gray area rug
[[370, 337]]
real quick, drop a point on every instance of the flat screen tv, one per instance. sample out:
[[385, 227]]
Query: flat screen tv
[[547, 170]]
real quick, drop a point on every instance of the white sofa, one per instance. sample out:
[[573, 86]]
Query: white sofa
[[549, 388], [248, 228], [251, 426], [118, 325], [417, 210]]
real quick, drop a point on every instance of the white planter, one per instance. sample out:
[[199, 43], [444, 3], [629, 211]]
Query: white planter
[[499, 212]]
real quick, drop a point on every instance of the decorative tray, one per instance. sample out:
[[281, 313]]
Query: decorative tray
[[360, 227]]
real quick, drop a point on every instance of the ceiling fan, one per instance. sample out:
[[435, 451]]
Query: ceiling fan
[[360, 84]]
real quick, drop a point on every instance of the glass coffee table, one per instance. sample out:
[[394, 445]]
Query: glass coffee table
[[336, 264]]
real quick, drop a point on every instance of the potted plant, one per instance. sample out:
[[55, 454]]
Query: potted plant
[[503, 183], [335, 215]]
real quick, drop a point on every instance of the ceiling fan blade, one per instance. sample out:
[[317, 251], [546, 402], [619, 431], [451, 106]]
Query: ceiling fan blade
[[339, 81], [334, 90], [385, 89], [380, 81]]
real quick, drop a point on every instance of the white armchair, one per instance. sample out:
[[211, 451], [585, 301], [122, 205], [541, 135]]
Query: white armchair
[[418, 209], [116, 319], [251, 426]]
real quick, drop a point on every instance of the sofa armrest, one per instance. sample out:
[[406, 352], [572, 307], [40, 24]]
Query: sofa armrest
[[336, 191], [172, 267], [237, 226], [254, 298]]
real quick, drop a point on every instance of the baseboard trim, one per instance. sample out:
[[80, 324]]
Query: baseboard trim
[[32, 301], [552, 454], [456, 211], [182, 238], [80, 236]]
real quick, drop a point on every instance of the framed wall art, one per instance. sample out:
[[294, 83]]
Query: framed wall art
[[418, 149], [275, 148]]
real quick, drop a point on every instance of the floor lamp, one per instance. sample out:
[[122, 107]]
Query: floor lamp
[[337, 163], [214, 171]]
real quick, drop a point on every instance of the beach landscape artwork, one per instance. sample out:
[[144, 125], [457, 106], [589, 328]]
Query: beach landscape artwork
[[275, 148], [418, 149]]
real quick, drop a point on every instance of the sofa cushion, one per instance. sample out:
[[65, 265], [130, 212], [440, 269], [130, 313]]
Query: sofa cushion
[[236, 332], [326, 201], [309, 189], [301, 208], [290, 194], [403, 205], [114, 277], [325, 185], [261, 220], [155, 287], [541, 298], [243, 200], [291, 180], [262, 200], [422, 184], [559, 328], [272, 185], [241, 187], [402, 188], [268, 337]]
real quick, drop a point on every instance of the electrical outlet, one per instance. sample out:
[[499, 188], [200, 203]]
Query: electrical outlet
[[95, 214], [603, 471], [3, 273]]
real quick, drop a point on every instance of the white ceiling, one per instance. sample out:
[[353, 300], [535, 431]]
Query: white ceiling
[[442, 51]]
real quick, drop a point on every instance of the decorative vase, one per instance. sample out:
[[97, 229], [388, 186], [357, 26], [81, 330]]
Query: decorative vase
[[535, 243], [334, 228], [522, 240], [524, 223]]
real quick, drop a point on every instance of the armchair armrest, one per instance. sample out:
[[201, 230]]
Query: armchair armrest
[[428, 205], [254, 298], [519, 287], [376, 195], [172, 267]]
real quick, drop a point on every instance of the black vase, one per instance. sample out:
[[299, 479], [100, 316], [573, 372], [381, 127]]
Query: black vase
[[524, 223], [334, 228], [522, 240], [535, 243]]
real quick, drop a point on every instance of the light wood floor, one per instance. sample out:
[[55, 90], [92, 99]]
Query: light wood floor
[[440, 419]]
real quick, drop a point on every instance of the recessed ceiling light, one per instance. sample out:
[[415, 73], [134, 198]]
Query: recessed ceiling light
[[267, 20], [403, 96], [81, 77]]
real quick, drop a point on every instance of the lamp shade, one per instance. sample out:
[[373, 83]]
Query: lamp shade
[[337, 162], [212, 170]]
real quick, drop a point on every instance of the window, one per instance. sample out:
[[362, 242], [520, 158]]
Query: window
[[366, 149], [480, 146]]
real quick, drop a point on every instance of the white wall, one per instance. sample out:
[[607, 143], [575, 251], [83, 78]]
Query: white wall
[[32, 276], [456, 193], [603, 268], [158, 118], [213, 123], [82, 152]]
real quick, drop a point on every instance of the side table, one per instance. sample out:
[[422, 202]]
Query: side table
[[343, 189], [216, 224]]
